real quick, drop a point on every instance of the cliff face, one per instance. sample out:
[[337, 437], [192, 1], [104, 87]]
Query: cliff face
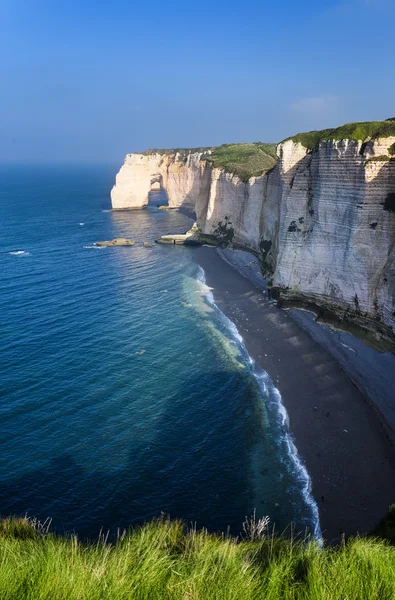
[[178, 173], [322, 220], [336, 230]]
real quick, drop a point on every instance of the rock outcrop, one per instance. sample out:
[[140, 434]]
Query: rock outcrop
[[322, 219], [116, 242], [179, 173]]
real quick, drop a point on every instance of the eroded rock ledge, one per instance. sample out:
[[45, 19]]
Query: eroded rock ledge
[[321, 218]]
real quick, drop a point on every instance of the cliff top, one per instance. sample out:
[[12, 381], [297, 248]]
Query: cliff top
[[243, 160], [352, 131], [182, 151]]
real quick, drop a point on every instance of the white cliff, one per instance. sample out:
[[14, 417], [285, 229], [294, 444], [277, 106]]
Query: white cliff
[[178, 173], [322, 220], [335, 236]]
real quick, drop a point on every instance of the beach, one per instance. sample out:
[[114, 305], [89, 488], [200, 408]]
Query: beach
[[341, 428]]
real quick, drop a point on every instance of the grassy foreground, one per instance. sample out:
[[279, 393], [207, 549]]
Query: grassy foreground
[[161, 560]]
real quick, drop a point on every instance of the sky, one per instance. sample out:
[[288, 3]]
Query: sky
[[89, 81]]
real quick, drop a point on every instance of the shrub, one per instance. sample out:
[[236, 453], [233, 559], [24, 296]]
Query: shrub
[[224, 232]]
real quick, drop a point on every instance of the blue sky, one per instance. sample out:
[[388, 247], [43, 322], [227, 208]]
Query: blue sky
[[90, 81]]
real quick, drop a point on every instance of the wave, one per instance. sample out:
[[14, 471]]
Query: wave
[[81, 224], [106, 210], [19, 253], [94, 246], [302, 476], [274, 401]]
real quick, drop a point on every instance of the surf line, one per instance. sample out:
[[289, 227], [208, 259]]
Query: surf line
[[269, 390]]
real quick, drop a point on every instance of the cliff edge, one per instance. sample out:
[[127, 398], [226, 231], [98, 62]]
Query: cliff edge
[[318, 209]]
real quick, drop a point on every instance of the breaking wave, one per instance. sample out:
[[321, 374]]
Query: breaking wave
[[275, 404]]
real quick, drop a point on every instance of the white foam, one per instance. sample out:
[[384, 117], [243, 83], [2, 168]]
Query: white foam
[[94, 246], [81, 224], [274, 398], [106, 210], [20, 253], [348, 347]]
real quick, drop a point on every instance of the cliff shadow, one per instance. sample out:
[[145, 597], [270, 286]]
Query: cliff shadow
[[198, 467]]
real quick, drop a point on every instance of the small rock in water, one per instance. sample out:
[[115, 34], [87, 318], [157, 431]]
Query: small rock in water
[[116, 242]]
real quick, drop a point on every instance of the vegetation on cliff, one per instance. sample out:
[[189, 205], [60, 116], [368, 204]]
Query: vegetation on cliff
[[244, 160], [163, 561], [182, 151], [369, 130]]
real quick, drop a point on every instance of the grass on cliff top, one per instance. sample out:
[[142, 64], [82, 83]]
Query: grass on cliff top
[[163, 561], [181, 151], [244, 160], [353, 131]]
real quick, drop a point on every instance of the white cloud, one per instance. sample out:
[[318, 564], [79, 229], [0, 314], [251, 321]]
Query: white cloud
[[316, 105]]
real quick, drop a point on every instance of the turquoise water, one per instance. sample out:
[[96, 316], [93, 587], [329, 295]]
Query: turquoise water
[[124, 391]]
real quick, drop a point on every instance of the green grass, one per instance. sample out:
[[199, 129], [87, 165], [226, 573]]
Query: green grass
[[182, 151], [244, 160], [163, 561], [352, 131]]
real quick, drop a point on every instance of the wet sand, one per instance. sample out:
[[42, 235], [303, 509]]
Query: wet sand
[[337, 431]]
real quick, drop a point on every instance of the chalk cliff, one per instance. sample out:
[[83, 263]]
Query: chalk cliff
[[178, 172], [336, 228], [321, 218]]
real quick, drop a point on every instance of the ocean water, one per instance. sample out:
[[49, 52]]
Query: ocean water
[[125, 392]]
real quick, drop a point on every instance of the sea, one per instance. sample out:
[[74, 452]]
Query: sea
[[125, 393]]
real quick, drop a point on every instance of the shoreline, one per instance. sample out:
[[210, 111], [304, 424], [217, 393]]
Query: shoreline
[[336, 430], [278, 412]]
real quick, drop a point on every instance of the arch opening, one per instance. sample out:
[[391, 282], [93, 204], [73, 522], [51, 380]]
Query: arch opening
[[157, 195]]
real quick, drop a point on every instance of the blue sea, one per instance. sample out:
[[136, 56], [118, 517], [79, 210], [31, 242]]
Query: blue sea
[[125, 392]]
